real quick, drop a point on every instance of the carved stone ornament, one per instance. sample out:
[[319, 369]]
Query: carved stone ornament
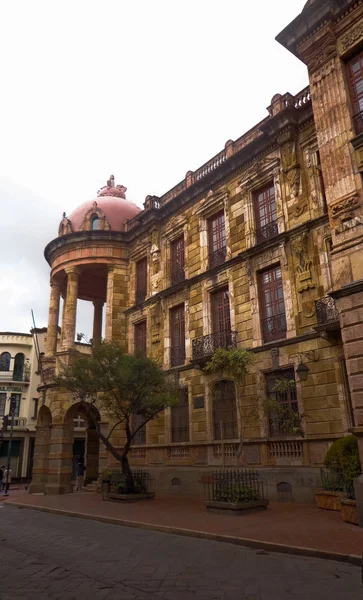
[[299, 207], [290, 166], [65, 226], [343, 210], [351, 38], [155, 314], [320, 52], [253, 171], [304, 279], [308, 309]]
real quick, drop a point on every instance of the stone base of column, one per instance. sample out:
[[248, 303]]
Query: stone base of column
[[36, 488], [57, 489]]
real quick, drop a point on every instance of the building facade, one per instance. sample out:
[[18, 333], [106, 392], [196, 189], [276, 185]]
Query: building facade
[[257, 249], [19, 379]]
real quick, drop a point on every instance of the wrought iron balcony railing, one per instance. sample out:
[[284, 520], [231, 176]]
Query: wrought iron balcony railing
[[266, 232], [177, 356], [140, 296], [274, 328], [217, 258], [207, 344], [177, 276], [358, 123], [10, 376], [326, 311]]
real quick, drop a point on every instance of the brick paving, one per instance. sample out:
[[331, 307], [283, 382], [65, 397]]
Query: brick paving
[[297, 525], [46, 556]]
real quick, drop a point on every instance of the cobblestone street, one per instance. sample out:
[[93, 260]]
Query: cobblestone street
[[47, 556]]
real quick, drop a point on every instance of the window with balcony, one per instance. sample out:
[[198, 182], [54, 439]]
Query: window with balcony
[[141, 280], [224, 411], [177, 261], [180, 418], [265, 213], [177, 336], [5, 361], [19, 367], [140, 338], [281, 392], [217, 250], [140, 435], [272, 305], [2, 404], [221, 319], [355, 77]]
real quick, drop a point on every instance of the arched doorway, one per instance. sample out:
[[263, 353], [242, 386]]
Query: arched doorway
[[85, 441], [41, 451]]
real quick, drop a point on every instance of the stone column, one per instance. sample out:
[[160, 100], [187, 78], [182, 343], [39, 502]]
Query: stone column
[[60, 459], [41, 454], [70, 311], [92, 454], [97, 322], [53, 317]]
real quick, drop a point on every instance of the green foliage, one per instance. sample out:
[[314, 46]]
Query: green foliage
[[238, 493], [234, 363], [290, 421], [343, 456]]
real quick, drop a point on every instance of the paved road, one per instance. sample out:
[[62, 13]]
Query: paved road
[[44, 556]]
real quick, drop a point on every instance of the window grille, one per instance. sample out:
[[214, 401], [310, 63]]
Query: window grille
[[177, 336], [217, 240], [140, 338], [177, 260], [273, 315], [224, 411], [180, 418]]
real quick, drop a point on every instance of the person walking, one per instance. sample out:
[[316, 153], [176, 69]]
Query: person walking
[[80, 475], [6, 478]]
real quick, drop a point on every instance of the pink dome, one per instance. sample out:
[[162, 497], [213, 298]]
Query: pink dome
[[112, 202]]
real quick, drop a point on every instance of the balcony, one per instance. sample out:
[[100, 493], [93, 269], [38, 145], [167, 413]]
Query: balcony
[[217, 258], [177, 276], [266, 232], [177, 356], [274, 328], [358, 123], [18, 377], [203, 347], [328, 317]]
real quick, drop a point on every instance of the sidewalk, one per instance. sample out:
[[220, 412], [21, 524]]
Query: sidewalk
[[283, 527]]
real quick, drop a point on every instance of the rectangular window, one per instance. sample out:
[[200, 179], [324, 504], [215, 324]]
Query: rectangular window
[[2, 404], [140, 436], [216, 240], [284, 411], [140, 338], [141, 280], [177, 273], [177, 336], [265, 213], [180, 419], [273, 317], [221, 314], [355, 76]]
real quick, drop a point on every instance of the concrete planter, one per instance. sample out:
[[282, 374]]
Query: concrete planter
[[348, 510], [328, 500], [235, 508], [115, 497]]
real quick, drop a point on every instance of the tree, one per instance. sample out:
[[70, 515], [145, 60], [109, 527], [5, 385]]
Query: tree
[[235, 365], [122, 385]]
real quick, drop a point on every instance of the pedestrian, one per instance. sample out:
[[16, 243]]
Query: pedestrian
[[80, 475], [6, 478]]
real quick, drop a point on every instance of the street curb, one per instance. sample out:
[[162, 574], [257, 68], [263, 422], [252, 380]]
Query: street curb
[[352, 559]]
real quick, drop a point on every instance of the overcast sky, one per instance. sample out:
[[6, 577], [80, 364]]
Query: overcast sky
[[144, 89]]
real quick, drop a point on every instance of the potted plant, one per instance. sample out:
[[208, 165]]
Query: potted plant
[[343, 464]]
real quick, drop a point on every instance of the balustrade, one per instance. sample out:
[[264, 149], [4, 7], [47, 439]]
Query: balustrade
[[208, 344], [326, 311]]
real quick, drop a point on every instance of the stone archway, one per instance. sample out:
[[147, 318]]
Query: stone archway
[[41, 451], [92, 443]]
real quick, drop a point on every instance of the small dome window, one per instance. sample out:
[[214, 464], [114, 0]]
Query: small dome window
[[94, 221]]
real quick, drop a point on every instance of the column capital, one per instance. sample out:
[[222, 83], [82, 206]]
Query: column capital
[[73, 270], [55, 284]]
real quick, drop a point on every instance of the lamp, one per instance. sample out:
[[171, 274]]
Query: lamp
[[302, 371]]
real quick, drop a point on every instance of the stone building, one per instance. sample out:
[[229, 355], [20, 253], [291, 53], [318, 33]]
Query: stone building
[[260, 248]]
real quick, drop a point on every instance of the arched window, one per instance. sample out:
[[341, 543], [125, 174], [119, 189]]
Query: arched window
[[224, 411], [94, 221], [5, 361], [18, 367]]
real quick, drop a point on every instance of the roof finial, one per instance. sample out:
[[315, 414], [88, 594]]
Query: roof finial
[[111, 181]]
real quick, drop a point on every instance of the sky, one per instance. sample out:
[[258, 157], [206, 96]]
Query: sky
[[146, 90]]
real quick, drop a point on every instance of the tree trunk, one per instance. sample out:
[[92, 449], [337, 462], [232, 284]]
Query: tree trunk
[[125, 461]]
